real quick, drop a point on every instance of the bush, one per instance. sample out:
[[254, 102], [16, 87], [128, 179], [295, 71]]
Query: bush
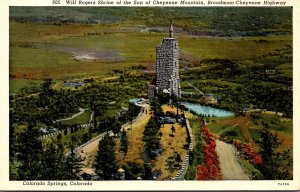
[[230, 133], [253, 173]]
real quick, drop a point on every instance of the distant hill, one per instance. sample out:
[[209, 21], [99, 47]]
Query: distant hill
[[212, 21]]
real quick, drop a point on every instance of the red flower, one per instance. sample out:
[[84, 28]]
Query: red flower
[[202, 173], [211, 169], [257, 159], [208, 161]]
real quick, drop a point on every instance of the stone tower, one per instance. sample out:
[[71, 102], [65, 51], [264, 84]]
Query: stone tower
[[167, 65]]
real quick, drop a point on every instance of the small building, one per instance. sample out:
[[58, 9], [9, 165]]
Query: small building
[[73, 83], [121, 174], [210, 99], [271, 72]]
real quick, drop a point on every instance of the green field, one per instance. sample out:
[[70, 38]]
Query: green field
[[274, 122], [15, 85], [286, 69], [233, 133], [254, 133], [216, 128], [118, 38], [44, 50], [56, 54]]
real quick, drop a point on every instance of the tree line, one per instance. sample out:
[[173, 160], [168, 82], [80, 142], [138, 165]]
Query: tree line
[[29, 160]]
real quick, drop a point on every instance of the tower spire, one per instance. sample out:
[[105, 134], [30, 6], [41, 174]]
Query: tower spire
[[171, 30]]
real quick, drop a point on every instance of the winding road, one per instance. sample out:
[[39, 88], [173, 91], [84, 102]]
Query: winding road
[[229, 164], [88, 152], [81, 110]]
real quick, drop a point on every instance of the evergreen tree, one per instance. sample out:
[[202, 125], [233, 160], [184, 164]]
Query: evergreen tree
[[53, 162], [275, 164], [59, 166], [86, 137], [115, 126], [124, 142], [151, 135], [59, 137], [46, 93], [133, 170], [65, 131], [72, 167], [105, 164], [13, 161], [148, 171], [29, 154], [173, 130]]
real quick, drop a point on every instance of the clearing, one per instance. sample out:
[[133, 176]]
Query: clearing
[[135, 142], [172, 146]]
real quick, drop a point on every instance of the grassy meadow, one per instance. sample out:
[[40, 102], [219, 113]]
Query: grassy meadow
[[51, 44]]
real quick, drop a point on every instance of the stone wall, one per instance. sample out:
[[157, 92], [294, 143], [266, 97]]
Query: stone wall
[[180, 175]]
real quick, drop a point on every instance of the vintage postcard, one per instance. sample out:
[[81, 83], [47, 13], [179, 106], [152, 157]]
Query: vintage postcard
[[149, 95]]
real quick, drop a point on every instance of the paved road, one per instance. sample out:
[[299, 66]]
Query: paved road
[[89, 151], [230, 167], [81, 110]]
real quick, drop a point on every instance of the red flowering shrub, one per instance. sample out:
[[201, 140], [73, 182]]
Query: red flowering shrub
[[202, 173], [208, 161], [257, 159], [247, 150], [211, 169]]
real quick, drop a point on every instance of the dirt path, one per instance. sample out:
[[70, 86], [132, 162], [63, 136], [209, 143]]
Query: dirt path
[[230, 167], [244, 123]]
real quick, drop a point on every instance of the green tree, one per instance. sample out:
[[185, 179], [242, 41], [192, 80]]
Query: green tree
[[46, 93], [86, 137], [59, 166], [173, 130], [65, 131], [133, 170], [59, 136], [73, 166], [30, 154], [105, 164], [124, 142], [115, 126], [53, 161], [13, 161], [151, 136], [148, 171], [133, 111], [275, 164]]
